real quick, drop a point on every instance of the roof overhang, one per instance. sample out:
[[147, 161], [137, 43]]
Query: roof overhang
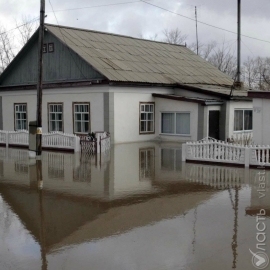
[[202, 101], [65, 84], [216, 91], [259, 94]]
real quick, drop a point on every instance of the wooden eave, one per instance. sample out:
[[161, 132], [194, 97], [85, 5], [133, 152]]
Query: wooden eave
[[55, 85], [259, 94], [204, 102]]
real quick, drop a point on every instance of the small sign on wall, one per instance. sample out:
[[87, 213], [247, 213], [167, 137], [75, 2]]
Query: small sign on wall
[[39, 130], [257, 109]]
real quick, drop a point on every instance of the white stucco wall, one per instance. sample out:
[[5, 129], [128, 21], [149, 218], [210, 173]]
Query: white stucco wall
[[67, 96], [261, 121], [167, 105], [127, 112]]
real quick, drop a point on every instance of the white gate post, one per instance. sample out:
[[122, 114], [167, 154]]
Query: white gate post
[[247, 152], [183, 152]]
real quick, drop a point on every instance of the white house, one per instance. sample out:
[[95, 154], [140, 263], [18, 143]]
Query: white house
[[261, 116], [136, 89]]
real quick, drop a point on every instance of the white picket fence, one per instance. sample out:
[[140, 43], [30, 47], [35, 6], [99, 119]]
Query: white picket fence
[[57, 140], [210, 150]]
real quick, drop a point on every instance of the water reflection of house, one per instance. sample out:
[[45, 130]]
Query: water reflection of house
[[142, 183]]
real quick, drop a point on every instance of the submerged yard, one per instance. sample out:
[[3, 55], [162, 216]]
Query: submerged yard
[[138, 207]]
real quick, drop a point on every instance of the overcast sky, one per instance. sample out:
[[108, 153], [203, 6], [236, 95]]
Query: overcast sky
[[137, 18]]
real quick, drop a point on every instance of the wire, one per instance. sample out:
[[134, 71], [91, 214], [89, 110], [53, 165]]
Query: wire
[[114, 4], [66, 42], [210, 25], [33, 20]]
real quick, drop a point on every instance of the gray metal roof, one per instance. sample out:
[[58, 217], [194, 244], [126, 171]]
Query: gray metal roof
[[127, 59]]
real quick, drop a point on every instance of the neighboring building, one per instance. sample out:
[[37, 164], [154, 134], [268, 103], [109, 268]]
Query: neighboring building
[[261, 116], [136, 89]]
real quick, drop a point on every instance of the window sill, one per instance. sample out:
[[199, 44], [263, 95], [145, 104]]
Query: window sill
[[242, 131], [146, 133], [177, 135]]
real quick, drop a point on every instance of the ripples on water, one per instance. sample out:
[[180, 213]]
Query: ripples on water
[[137, 207]]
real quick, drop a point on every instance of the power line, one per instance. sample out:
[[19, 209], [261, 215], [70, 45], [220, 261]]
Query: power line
[[33, 20], [66, 43], [114, 4], [210, 25]]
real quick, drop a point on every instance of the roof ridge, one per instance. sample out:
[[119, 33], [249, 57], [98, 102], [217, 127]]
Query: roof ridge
[[112, 34]]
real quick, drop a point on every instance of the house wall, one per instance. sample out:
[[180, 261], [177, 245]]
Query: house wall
[[261, 121], [127, 112], [67, 96], [167, 105]]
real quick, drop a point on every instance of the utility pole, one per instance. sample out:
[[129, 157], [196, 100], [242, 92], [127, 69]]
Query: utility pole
[[40, 78], [238, 74], [197, 30]]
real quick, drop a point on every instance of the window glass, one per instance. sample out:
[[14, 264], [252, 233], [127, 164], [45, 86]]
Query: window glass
[[147, 118]]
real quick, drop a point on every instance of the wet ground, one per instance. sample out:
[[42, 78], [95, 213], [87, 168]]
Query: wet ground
[[136, 208]]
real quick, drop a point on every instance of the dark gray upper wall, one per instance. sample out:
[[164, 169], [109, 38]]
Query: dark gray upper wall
[[59, 66]]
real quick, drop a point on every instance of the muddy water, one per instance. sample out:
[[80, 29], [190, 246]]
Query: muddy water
[[136, 208]]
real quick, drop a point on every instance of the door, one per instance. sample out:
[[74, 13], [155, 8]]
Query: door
[[213, 124]]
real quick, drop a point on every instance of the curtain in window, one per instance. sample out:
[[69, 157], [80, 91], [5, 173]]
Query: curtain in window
[[238, 120], [167, 123], [182, 123]]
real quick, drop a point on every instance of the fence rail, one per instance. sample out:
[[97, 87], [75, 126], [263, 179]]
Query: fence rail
[[210, 150], [57, 140]]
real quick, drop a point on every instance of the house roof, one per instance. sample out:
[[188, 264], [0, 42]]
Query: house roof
[[127, 59]]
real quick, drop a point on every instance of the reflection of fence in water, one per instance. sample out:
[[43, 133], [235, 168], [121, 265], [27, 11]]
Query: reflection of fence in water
[[56, 165], [83, 172], [220, 177]]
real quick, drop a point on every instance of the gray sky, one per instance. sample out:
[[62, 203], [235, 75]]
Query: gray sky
[[136, 18]]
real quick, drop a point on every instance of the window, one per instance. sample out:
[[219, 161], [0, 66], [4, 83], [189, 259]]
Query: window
[[51, 47], [81, 117], [242, 120], [44, 48], [55, 117], [147, 118], [175, 123], [20, 116]]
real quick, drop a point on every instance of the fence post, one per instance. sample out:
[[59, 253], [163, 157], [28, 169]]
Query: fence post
[[247, 152], [183, 152], [76, 144], [6, 138]]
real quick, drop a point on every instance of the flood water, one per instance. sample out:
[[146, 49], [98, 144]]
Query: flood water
[[137, 207]]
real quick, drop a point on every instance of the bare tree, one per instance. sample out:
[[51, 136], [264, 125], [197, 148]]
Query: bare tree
[[174, 36], [256, 73], [205, 50], [6, 50], [26, 28], [223, 59]]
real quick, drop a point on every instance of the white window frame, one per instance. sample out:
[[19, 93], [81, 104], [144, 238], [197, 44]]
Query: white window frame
[[243, 128], [56, 120], [146, 120], [176, 134], [81, 120], [20, 119]]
